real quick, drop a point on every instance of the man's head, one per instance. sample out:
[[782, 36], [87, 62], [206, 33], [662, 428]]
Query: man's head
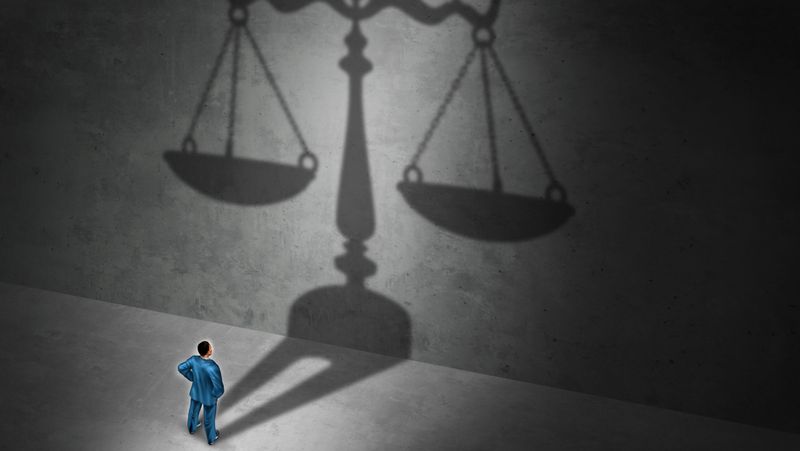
[[204, 349]]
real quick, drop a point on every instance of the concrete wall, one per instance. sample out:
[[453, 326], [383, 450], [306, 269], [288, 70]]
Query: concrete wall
[[670, 124]]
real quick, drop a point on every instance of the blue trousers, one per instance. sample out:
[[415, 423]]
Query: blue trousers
[[209, 414]]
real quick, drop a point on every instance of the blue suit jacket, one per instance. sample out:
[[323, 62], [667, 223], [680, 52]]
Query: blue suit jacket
[[206, 379]]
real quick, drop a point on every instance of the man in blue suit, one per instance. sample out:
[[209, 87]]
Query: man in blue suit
[[207, 386]]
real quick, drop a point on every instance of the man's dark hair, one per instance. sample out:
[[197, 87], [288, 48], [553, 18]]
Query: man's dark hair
[[202, 347]]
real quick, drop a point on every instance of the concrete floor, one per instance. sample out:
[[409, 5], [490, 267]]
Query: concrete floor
[[90, 375]]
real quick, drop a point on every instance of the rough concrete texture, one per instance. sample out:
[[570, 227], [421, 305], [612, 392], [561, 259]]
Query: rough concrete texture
[[87, 375], [670, 125]]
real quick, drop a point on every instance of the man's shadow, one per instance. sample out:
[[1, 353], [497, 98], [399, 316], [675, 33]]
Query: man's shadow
[[348, 316]]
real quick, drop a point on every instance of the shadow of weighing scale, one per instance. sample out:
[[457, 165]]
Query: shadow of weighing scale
[[351, 315]]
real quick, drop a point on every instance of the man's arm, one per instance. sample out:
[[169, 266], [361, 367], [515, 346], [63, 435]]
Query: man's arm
[[185, 368], [216, 380]]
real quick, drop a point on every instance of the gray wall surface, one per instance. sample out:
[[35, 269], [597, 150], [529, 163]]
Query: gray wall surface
[[671, 126]]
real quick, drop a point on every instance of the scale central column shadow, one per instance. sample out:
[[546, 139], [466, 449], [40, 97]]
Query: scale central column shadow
[[348, 315]]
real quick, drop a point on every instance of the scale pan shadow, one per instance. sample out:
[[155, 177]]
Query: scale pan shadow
[[239, 180], [483, 214]]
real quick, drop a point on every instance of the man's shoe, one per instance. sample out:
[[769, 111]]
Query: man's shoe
[[196, 427], [215, 438]]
